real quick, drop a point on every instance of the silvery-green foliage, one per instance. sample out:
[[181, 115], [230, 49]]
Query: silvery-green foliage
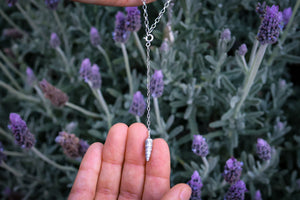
[[203, 83]]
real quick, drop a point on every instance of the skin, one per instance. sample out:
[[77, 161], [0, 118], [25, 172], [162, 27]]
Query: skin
[[118, 169], [122, 3]]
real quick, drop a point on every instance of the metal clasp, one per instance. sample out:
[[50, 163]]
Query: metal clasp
[[149, 37]]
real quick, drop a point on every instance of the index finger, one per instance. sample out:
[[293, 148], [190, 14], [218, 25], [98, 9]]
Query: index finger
[[121, 3]]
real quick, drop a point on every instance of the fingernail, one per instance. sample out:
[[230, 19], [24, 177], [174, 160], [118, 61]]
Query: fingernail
[[185, 194]]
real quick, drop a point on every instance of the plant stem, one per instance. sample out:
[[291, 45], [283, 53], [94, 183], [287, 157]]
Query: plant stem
[[251, 76], [104, 106], [108, 62], [9, 76], [140, 47], [10, 169], [18, 94], [10, 65], [206, 167], [54, 164], [246, 69], [8, 136], [65, 60], [63, 32], [46, 105], [13, 153], [82, 110], [138, 119], [127, 68], [157, 114], [11, 22], [253, 52], [27, 17]]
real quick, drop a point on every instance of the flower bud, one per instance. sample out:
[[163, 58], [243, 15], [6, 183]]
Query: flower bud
[[138, 105], [199, 146], [54, 41], [157, 84], [257, 195], [52, 4], [133, 19], [263, 149], [226, 35], [236, 191], [242, 50], [94, 37], [19, 129], [120, 35], [95, 77], [232, 170], [30, 76], [86, 69], [196, 184]]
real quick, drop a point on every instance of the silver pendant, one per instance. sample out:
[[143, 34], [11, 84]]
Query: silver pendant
[[148, 148]]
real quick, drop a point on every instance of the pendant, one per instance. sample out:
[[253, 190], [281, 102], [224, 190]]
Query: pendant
[[148, 148]]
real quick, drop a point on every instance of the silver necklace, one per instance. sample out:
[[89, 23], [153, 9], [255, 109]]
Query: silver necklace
[[148, 38]]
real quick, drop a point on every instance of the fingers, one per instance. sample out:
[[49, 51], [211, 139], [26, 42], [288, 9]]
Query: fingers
[[85, 183], [122, 3], [178, 192], [157, 180], [112, 161], [134, 165]]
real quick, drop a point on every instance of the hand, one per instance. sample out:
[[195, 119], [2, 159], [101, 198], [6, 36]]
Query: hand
[[122, 3], [118, 169]]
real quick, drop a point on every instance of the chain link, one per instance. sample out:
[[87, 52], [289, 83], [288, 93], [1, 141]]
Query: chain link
[[148, 38]]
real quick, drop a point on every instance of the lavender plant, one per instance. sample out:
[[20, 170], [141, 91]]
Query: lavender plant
[[224, 89]]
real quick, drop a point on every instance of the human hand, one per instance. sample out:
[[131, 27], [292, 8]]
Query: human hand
[[118, 169], [122, 3]]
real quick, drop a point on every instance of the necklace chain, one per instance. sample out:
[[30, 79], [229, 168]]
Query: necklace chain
[[149, 37]]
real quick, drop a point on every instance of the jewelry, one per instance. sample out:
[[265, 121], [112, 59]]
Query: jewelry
[[148, 38]]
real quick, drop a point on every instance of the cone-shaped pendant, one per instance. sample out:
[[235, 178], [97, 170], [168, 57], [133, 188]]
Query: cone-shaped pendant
[[148, 148]]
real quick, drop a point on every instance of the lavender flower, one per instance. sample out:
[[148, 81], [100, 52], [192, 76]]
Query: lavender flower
[[138, 105], [157, 84], [19, 129], [120, 35], [54, 41], [56, 96], [94, 37], [11, 3], [30, 76], [226, 35], [286, 15], [164, 47], [2, 155], [232, 170], [196, 184], [133, 19], [72, 146], [199, 146], [257, 195], [260, 9], [263, 149], [86, 69], [270, 26], [95, 77], [52, 4], [242, 50], [236, 191]]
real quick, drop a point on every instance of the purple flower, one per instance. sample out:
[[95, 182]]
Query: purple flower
[[263, 149], [94, 37], [52, 4], [30, 76], [286, 15], [54, 41], [72, 146], [242, 50], [133, 19], [95, 77], [120, 35], [270, 26], [226, 35], [236, 191], [11, 3], [12, 33], [157, 84], [85, 69], [282, 84], [164, 47], [138, 105], [199, 146], [19, 129], [232, 170], [2, 155], [196, 184], [257, 195]]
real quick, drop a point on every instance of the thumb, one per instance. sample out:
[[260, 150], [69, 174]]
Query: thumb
[[180, 191]]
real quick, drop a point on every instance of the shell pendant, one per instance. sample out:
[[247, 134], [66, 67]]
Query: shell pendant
[[148, 148]]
